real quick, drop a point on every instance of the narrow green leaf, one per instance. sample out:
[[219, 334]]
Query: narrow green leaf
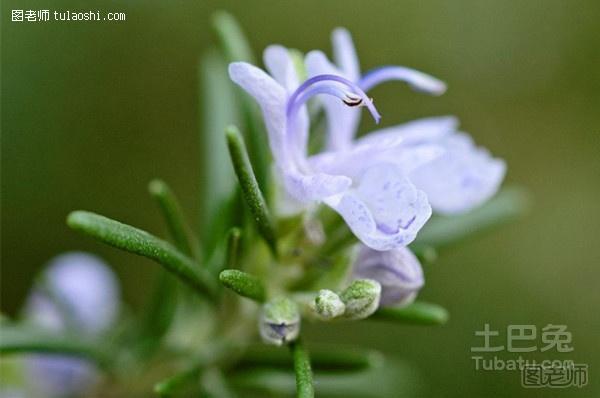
[[22, 339], [235, 47], [232, 38], [418, 313], [174, 383], [325, 358], [440, 231], [250, 190], [171, 209], [137, 241], [243, 284], [303, 371], [218, 180]]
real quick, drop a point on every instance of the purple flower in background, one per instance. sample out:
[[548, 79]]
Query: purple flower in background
[[369, 189], [461, 178], [398, 271], [79, 293]]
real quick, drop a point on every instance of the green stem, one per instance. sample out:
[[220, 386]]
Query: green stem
[[233, 247], [137, 241], [303, 371]]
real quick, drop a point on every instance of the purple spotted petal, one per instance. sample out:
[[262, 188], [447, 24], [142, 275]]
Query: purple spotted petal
[[384, 210]]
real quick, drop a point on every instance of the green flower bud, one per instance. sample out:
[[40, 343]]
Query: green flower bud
[[279, 321], [328, 305], [361, 298]]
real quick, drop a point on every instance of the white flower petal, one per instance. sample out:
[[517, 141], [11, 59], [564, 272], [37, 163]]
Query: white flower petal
[[462, 178]]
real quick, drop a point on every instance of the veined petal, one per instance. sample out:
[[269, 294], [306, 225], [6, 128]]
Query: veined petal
[[344, 53], [462, 178], [419, 81], [310, 187], [408, 146], [385, 210], [272, 98], [342, 121]]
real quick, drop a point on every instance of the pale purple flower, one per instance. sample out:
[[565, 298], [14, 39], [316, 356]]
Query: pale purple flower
[[369, 189], [398, 271], [461, 178], [76, 291]]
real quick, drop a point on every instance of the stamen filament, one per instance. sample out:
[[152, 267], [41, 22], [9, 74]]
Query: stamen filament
[[309, 89]]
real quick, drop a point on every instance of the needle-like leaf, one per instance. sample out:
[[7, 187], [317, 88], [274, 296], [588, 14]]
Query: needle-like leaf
[[324, 358], [171, 210], [171, 385], [218, 181], [142, 243], [417, 313], [250, 190], [243, 284], [21, 339], [235, 47]]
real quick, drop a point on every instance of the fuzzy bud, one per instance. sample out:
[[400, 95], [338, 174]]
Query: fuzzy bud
[[361, 298], [328, 305]]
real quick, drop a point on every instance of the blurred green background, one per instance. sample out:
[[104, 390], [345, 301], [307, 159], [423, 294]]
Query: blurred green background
[[91, 111]]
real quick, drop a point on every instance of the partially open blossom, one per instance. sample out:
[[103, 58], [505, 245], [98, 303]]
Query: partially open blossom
[[78, 294], [361, 298], [371, 190], [462, 177], [398, 271], [279, 322]]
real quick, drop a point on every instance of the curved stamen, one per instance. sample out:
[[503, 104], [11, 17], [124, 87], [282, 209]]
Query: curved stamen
[[330, 84], [419, 81]]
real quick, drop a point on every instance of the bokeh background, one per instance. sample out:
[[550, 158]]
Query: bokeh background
[[91, 111]]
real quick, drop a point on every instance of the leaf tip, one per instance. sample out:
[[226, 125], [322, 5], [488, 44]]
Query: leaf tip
[[157, 187]]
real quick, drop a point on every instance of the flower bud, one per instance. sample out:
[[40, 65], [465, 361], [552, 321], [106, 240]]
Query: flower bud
[[361, 298], [398, 271], [328, 305], [279, 321]]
